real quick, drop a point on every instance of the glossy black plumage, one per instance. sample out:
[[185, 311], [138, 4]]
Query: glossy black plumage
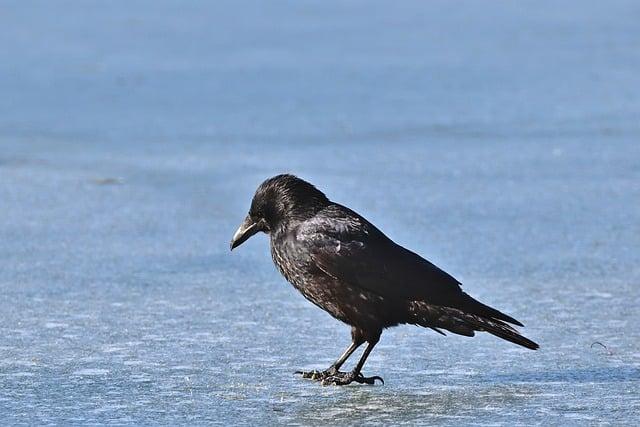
[[342, 263]]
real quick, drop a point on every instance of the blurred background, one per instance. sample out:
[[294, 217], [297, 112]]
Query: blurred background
[[500, 140]]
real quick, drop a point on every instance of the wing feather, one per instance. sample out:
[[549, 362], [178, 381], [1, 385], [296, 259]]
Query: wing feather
[[347, 247]]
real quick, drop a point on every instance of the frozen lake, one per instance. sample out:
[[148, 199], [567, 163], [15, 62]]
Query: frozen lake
[[500, 141]]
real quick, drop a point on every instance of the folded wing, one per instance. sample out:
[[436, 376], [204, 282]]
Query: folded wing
[[346, 246]]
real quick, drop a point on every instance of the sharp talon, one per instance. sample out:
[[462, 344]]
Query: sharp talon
[[367, 380]]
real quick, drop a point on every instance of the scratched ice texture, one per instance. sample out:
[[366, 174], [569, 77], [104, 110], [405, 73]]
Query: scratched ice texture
[[501, 140]]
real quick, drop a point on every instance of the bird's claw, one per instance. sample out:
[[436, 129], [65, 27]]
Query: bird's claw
[[344, 378], [368, 380], [313, 375], [316, 375]]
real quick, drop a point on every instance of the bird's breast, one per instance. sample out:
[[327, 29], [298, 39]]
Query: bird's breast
[[292, 262]]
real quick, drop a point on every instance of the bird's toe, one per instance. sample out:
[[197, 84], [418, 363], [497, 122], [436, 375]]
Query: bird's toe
[[318, 375], [312, 375], [343, 379], [367, 380]]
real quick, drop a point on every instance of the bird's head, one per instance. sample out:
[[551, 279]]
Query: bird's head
[[278, 200]]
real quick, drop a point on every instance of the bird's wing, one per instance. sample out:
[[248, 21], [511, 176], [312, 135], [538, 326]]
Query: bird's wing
[[347, 247], [352, 250]]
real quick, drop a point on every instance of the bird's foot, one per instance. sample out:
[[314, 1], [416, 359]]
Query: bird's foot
[[318, 375], [344, 378]]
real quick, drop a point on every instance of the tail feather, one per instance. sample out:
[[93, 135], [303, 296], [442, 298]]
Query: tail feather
[[499, 329], [464, 323], [473, 306]]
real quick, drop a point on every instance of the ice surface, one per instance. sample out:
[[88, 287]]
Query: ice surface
[[500, 140]]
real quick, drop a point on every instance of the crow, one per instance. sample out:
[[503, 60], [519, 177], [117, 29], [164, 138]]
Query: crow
[[343, 264]]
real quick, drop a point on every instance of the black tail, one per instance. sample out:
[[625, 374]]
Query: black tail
[[473, 306], [463, 323], [499, 329]]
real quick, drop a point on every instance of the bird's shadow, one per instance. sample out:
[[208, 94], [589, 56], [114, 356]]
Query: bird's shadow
[[395, 403]]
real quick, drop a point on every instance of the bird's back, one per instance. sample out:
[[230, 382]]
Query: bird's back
[[293, 251], [338, 245]]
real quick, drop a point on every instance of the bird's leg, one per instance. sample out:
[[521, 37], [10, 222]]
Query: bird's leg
[[334, 368], [344, 378]]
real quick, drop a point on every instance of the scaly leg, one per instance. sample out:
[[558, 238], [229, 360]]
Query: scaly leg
[[334, 368], [344, 378]]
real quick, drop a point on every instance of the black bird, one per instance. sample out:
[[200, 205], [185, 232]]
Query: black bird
[[343, 264]]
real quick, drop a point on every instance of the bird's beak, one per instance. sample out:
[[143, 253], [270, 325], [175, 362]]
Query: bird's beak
[[247, 229]]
